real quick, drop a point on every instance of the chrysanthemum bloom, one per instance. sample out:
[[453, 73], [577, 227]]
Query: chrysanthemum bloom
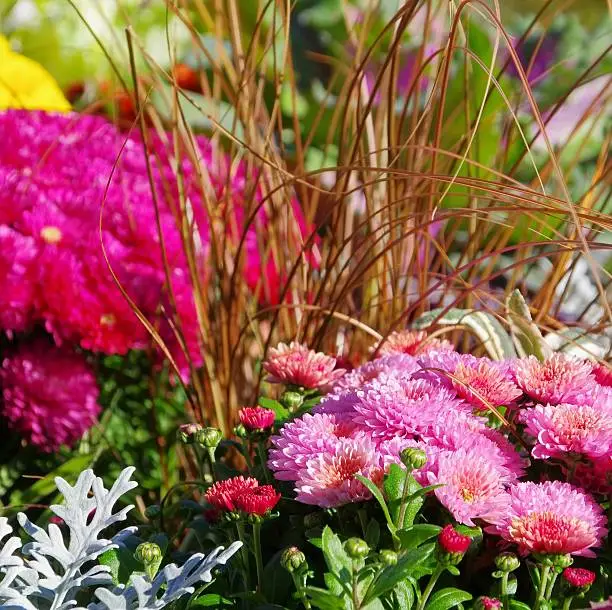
[[301, 440], [487, 603], [412, 342], [603, 374], [567, 428], [50, 394], [394, 406], [328, 480], [472, 488], [257, 501], [552, 518], [559, 379], [295, 364], [256, 418], [451, 541], [578, 577], [483, 385], [399, 363], [222, 495], [594, 475]]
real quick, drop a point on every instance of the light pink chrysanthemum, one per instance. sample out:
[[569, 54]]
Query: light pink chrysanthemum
[[399, 363], [50, 394], [483, 385], [295, 364], [328, 480], [472, 487], [412, 342], [302, 439], [559, 379], [552, 518], [394, 406], [566, 428]]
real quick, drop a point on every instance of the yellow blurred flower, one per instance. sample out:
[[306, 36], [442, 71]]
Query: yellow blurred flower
[[24, 83]]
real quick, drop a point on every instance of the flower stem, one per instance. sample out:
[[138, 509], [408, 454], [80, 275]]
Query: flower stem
[[404, 504], [430, 586], [504, 590], [567, 602], [262, 459], [542, 587], [257, 551], [299, 586], [245, 555], [551, 585]]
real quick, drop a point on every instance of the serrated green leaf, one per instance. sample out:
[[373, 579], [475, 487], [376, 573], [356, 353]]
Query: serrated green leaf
[[527, 338], [447, 598]]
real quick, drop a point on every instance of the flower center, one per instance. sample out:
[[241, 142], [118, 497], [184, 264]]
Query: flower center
[[467, 495], [107, 319], [52, 235]]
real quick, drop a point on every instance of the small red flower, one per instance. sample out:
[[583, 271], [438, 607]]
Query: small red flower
[[186, 77], [258, 501], [256, 418], [488, 603], [451, 541], [222, 495], [579, 577]]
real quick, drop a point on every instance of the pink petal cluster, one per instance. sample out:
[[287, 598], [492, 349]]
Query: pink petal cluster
[[412, 342], [50, 396], [551, 518], [295, 364]]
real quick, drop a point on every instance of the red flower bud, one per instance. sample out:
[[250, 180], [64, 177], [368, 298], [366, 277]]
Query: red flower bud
[[451, 541], [579, 577]]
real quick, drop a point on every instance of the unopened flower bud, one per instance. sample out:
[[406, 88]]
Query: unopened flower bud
[[356, 548], [240, 431], [209, 437], [578, 580], [153, 512], [293, 559], [388, 557], [186, 433], [148, 553], [291, 400], [487, 603], [507, 562], [413, 458]]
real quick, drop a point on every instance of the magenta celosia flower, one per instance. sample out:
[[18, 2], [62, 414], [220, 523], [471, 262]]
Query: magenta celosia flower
[[396, 406], [559, 379], [483, 385], [472, 488], [328, 480], [50, 394], [412, 342], [552, 518], [256, 418], [295, 364], [565, 428], [301, 440]]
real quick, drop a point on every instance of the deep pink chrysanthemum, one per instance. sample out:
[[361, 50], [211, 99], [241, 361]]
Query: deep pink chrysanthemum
[[603, 374], [483, 385], [566, 428], [256, 418], [451, 541], [578, 577], [412, 342], [559, 379], [594, 475], [222, 495], [328, 480], [301, 440], [50, 394], [295, 364], [472, 488], [552, 518], [258, 500], [487, 603]]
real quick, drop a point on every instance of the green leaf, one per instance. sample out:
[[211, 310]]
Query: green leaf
[[379, 497], [404, 595], [516, 605], [281, 413], [372, 533], [338, 562], [323, 599], [405, 566], [394, 489], [447, 598], [413, 536], [527, 337], [485, 326], [212, 600]]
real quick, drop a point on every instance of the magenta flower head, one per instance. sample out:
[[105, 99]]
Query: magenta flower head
[[452, 546], [256, 418], [223, 495], [552, 518], [50, 394], [258, 501], [559, 379], [603, 374], [295, 364], [412, 343], [578, 578], [487, 603]]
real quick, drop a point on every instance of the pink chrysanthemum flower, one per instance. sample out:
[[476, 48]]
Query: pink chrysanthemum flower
[[472, 488], [256, 418], [295, 364], [258, 500], [594, 475], [394, 406], [566, 428], [399, 363], [301, 440], [487, 603], [412, 342], [50, 394], [483, 385], [328, 480], [222, 495], [559, 379], [603, 374], [552, 518]]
